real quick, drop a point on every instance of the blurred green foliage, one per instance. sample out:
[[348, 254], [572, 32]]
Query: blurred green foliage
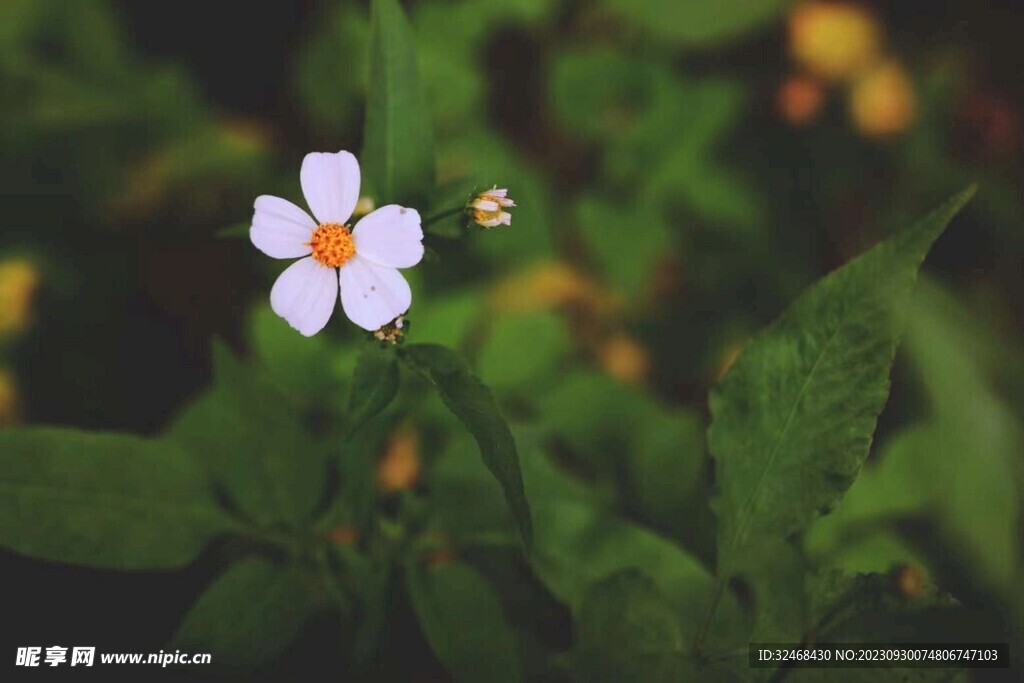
[[535, 485]]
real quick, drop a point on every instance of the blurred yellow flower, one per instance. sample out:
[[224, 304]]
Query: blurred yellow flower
[[550, 284], [623, 358], [399, 468], [9, 403], [882, 102], [19, 280], [834, 40], [799, 99]]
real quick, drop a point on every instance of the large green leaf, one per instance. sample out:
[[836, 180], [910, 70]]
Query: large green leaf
[[696, 23], [627, 631], [103, 499], [249, 615], [398, 149], [793, 419], [374, 385], [462, 618], [934, 470], [473, 404], [255, 443]]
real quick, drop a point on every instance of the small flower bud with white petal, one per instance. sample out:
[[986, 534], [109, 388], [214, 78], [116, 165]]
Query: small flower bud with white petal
[[487, 208]]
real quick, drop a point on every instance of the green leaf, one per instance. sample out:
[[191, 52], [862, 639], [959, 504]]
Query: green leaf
[[249, 615], [332, 68], [300, 365], [859, 608], [933, 470], [447, 320], [255, 443], [233, 232], [577, 541], [578, 544], [858, 535], [627, 243], [653, 456], [773, 573], [626, 631], [469, 400], [374, 385], [797, 411], [522, 349], [699, 24], [462, 617], [398, 152], [669, 481], [976, 439], [103, 500]]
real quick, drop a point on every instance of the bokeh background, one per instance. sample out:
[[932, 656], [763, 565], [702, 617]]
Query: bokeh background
[[683, 170]]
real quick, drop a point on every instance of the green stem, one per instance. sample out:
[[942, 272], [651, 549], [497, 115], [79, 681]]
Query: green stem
[[337, 590], [705, 623], [444, 214]]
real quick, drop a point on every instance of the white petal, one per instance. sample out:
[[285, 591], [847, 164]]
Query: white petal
[[330, 183], [280, 229], [390, 236], [373, 295], [304, 295], [486, 204]]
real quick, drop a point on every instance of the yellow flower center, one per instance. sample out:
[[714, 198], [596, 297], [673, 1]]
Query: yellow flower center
[[480, 215], [332, 245]]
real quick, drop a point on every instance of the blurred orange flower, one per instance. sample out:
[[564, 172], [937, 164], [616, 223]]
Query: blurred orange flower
[[399, 468], [799, 99], [623, 358]]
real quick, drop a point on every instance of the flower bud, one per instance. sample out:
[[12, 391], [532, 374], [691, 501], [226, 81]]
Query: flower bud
[[393, 332], [487, 208]]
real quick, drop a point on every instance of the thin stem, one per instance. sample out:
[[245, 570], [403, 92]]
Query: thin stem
[[444, 214], [705, 623]]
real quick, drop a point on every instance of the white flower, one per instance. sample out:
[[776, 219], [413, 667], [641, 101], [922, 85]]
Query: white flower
[[363, 260], [487, 208]]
